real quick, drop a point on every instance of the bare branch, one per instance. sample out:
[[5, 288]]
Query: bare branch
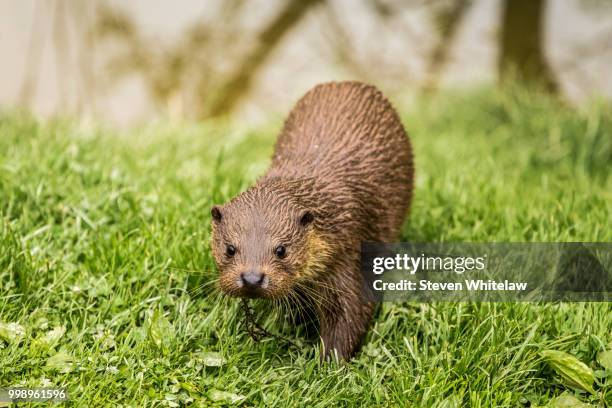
[[240, 82], [449, 20]]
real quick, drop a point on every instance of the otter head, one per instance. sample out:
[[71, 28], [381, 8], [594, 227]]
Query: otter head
[[260, 243]]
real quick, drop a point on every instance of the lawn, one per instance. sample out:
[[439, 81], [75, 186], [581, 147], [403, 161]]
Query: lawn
[[106, 278]]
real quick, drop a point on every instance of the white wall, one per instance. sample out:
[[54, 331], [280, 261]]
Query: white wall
[[301, 61]]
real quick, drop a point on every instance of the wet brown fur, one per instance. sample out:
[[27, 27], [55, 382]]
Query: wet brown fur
[[344, 157]]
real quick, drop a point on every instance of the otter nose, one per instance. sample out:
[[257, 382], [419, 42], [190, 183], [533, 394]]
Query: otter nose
[[252, 279]]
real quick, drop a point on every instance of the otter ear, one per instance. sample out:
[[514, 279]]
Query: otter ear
[[216, 213], [306, 218]]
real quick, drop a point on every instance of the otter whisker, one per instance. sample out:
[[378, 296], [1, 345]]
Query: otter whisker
[[302, 309], [319, 299], [201, 287]]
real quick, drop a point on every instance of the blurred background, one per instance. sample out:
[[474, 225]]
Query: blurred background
[[126, 63]]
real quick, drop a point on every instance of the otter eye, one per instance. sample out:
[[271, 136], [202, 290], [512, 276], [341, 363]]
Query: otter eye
[[230, 250], [280, 251]]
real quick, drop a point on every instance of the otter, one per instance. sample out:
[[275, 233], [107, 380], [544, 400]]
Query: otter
[[341, 174]]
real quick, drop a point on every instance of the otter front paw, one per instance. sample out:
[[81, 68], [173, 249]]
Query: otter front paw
[[334, 348], [342, 338]]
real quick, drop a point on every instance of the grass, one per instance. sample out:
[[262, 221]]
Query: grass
[[105, 266]]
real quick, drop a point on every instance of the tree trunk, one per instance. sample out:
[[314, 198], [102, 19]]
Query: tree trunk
[[521, 49], [238, 84]]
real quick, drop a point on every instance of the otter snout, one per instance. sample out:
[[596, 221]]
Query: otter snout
[[253, 279], [253, 283]]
